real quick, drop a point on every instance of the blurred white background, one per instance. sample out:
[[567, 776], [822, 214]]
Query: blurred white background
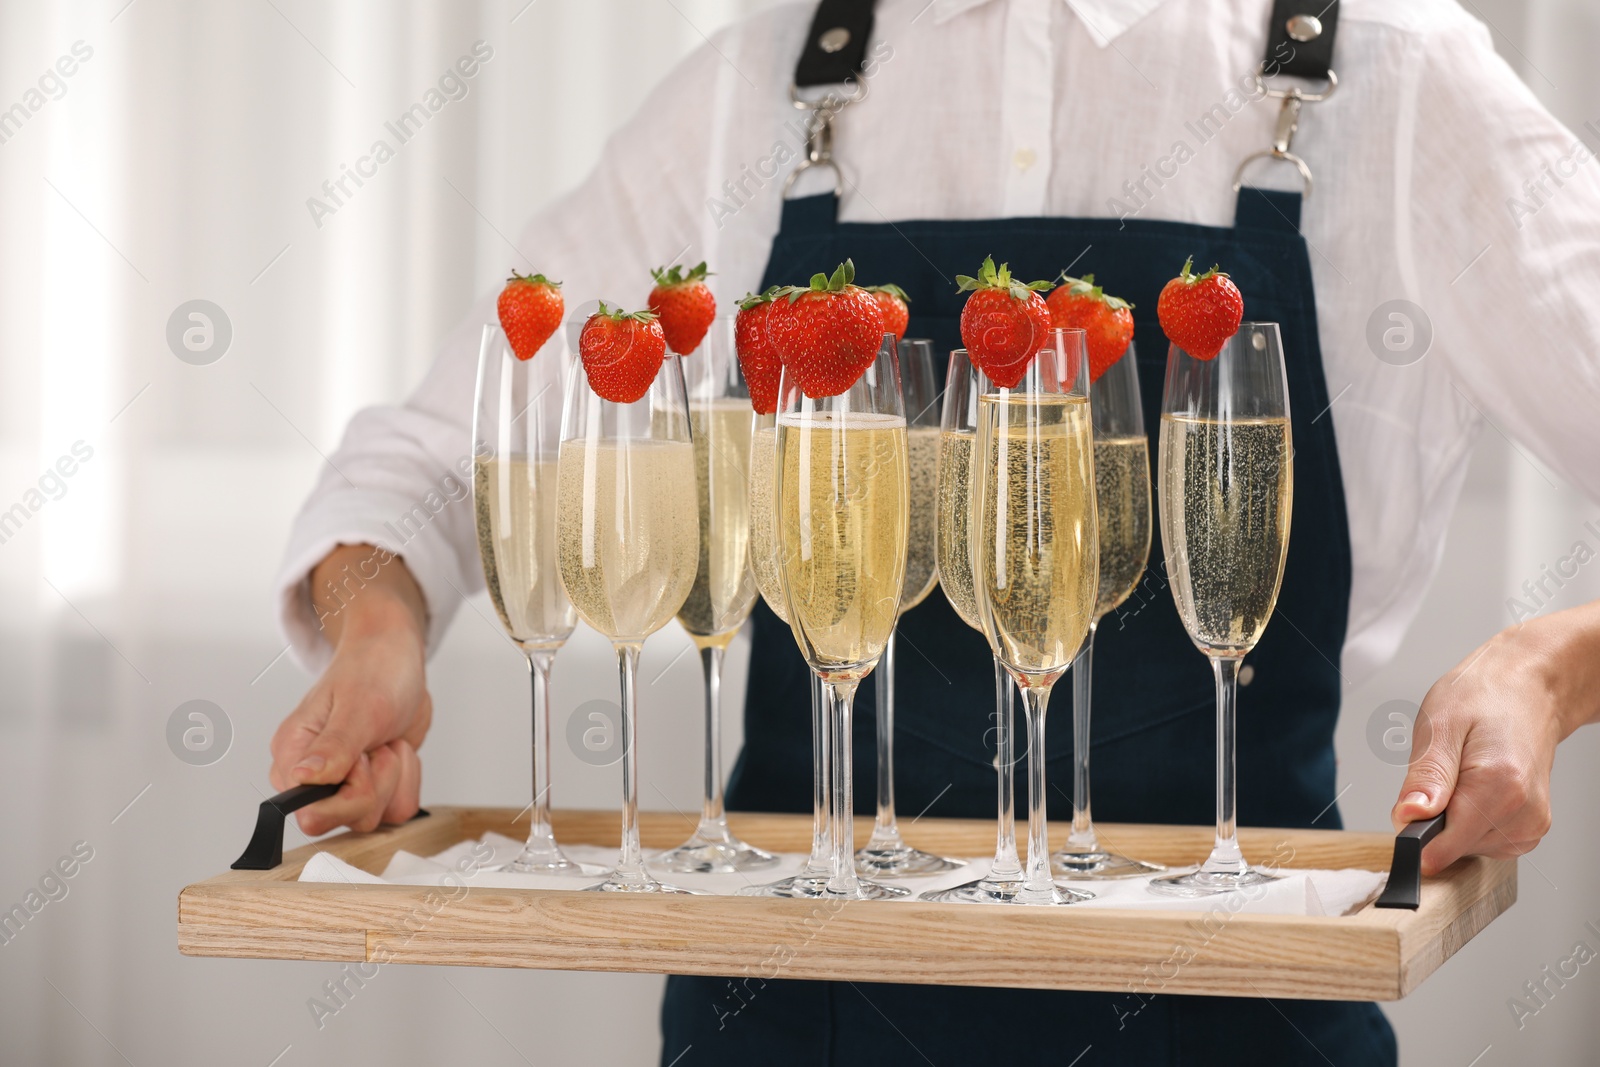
[[174, 164]]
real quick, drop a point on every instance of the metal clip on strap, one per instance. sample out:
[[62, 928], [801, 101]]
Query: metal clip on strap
[[1299, 44], [834, 53]]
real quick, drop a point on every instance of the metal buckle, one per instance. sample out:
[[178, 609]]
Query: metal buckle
[[1288, 122], [819, 131]]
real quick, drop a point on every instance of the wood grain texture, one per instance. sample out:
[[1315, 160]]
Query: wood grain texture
[[1372, 955]]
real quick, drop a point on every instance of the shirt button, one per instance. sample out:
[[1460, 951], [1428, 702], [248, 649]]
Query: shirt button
[[1247, 674], [1024, 158]]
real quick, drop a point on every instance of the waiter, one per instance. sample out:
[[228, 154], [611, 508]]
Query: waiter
[[1106, 136]]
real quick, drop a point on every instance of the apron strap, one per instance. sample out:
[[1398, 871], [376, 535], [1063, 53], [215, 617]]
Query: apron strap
[[1268, 209], [1300, 38], [836, 44]]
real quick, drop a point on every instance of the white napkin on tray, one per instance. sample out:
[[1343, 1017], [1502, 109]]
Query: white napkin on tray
[[1299, 892]]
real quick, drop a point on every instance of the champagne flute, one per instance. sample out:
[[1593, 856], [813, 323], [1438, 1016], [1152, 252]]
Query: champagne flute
[[1122, 503], [1035, 551], [1227, 490], [724, 590], [885, 854], [629, 539], [840, 482], [813, 877], [516, 431], [958, 425]]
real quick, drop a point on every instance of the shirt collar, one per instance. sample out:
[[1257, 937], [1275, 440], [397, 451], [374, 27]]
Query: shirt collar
[[1106, 20]]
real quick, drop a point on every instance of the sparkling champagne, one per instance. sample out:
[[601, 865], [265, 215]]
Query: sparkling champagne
[[842, 534], [1226, 494], [1035, 549], [723, 591], [955, 517], [922, 461], [763, 542], [629, 532], [515, 504], [1122, 503]]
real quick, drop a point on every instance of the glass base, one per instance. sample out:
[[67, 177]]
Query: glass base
[[865, 890], [801, 885], [649, 885], [1198, 882], [546, 857], [815, 887], [1004, 891], [899, 860], [701, 856], [1098, 864]]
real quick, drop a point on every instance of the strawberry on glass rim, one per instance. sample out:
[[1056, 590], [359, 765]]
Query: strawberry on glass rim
[[828, 333], [621, 353], [758, 358], [530, 309], [1199, 312], [1004, 323], [1106, 320], [685, 304], [894, 303]]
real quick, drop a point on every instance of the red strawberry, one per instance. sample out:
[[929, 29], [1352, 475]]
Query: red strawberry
[[758, 359], [892, 301], [685, 305], [1080, 304], [1004, 323], [1199, 312], [621, 353], [828, 333], [530, 308]]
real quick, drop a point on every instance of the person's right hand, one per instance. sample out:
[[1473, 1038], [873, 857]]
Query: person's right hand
[[364, 719]]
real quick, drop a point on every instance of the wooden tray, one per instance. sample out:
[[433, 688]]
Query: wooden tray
[[1371, 955]]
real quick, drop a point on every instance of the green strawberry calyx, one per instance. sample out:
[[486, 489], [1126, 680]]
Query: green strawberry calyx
[[678, 274], [1086, 287], [892, 289], [754, 300], [532, 279], [1188, 277], [990, 278], [618, 315], [842, 278]]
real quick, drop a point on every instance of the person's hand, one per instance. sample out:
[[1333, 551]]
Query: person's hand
[[1485, 738], [364, 719]]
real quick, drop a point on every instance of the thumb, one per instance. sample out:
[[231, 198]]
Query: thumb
[[1430, 779], [331, 754]]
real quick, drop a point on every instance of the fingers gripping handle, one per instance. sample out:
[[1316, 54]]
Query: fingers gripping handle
[[265, 850], [1404, 889]]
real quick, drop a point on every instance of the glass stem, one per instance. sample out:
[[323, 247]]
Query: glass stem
[[1006, 866], [842, 870], [1225, 856], [713, 821], [886, 832], [630, 861], [820, 865], [541, 836], [1082, 838], [1037, 880]]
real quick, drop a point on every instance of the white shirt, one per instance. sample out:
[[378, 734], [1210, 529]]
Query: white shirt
[[985, 108]]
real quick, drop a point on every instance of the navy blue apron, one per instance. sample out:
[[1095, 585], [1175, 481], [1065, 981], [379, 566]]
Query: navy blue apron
[[1154, 710]]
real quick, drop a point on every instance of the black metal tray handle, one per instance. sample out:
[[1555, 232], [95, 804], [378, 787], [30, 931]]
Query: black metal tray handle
[[1405, 871], [265, 850]]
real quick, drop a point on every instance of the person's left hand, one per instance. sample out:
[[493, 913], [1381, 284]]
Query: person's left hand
[[1483, 745]]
